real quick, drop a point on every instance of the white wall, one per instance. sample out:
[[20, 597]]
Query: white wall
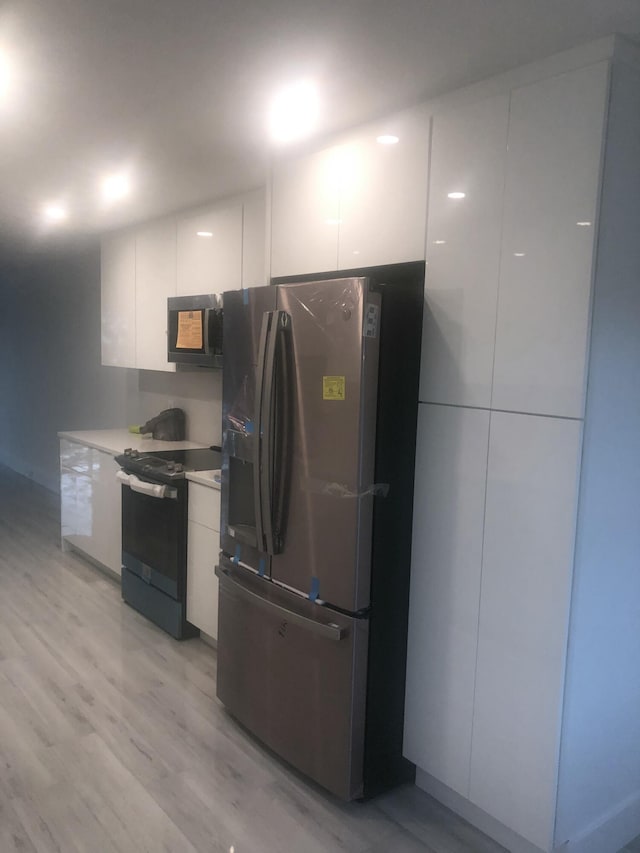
[[50, 372], [600, 754]]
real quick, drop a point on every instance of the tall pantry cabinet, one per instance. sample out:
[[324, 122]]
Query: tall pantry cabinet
[[524, 611]]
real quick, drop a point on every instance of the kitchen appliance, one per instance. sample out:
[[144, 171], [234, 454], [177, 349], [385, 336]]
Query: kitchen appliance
[[154, 532], [320, 390], [194, 330]]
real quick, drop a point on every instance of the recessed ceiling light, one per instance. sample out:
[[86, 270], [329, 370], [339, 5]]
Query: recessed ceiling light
[[518, 254], [456, 194], [54, 213], [583, 224], [294, 112], [205, 233], [116, 187], [387, 139], [439, 242]]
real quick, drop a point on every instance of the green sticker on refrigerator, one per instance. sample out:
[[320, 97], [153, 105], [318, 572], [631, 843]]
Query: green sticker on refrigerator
[[334, 387]]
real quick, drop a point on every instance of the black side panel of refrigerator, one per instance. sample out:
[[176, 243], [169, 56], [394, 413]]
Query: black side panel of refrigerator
[[402, 289]]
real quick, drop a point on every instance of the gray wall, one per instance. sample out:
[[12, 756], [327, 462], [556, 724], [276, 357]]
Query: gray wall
[[50, 373]]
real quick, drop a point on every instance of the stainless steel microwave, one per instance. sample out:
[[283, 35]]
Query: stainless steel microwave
[[194, 325]]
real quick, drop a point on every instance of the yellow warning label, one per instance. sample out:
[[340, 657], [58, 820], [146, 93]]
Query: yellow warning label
[[333, 387]]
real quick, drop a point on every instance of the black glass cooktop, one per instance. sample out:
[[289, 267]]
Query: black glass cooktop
[[200, 459]]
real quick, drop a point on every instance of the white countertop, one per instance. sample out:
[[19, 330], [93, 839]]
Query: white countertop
[[204, 478], [115, 441]]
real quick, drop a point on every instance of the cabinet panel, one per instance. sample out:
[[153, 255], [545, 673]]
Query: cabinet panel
[[383, 193], [204, 505], [305, 213], [118, 288], [551, 195], [90, 503], [202, 583], [448, 514], [155, 282], [524, 611], [468, 154], [254, 272], [209, 250]]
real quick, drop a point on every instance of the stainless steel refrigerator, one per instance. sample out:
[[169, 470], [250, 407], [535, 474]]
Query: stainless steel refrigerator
[[319, 410]]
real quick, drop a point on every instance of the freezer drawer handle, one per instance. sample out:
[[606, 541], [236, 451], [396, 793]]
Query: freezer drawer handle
[[329, 631]]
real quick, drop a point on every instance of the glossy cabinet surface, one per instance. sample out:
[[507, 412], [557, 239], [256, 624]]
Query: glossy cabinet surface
[[209, 249], [448, 513], [155, 282], [551, 197], [118, 282], [468, 154], [90, 503], [203, 545], [358, 203], [524, 619], [383, 191], [305, 213]]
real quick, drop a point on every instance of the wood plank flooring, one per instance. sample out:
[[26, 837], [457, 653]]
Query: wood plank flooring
[[112, 740]]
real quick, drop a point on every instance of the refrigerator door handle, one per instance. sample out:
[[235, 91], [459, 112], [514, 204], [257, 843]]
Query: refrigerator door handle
[[258, 429], [326, 631], [281, 445], [267, 432]]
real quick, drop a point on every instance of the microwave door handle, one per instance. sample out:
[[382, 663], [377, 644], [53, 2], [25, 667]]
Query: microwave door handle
[[268, 433], [205, 331], [258, 429]]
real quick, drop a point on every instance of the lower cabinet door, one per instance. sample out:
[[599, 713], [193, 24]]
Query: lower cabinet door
[[203, 545], [524, 614]]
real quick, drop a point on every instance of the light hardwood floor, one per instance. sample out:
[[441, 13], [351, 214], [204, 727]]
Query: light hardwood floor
[[112, 740]]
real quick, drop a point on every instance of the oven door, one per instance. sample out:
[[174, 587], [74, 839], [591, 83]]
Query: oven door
[[154, 533]]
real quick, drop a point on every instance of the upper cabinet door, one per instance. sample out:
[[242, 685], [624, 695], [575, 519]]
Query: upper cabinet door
[[468, 155], [305, 213], [383, 189], [155, 282], [553, 170], [209, 250], [118, 299]]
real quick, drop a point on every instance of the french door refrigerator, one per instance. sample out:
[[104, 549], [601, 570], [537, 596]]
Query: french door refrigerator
[[319, 411]]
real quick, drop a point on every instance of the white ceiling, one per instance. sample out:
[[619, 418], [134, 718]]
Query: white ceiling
[[179, 89]]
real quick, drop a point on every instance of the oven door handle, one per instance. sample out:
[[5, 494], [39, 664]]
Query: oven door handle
[[142, 487]]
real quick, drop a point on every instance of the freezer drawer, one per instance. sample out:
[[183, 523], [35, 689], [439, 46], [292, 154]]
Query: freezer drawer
[[294, 674]]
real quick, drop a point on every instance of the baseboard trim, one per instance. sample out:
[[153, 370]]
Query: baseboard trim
[[476, 816], [611, 832]]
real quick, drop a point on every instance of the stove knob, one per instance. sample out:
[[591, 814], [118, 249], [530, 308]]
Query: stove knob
[[134, 453], [171, 466], [128, 451], [178, 467]]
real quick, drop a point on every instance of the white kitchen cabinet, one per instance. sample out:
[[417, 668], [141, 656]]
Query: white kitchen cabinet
[[90, 503], [468, 154], [203, 545], [448, 512], [118, 281], [383, 190], [305, 213], [555, 676], [209, 249], [155, 282], [358, 203], [254, 272], [551, 198], [527, 571]]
